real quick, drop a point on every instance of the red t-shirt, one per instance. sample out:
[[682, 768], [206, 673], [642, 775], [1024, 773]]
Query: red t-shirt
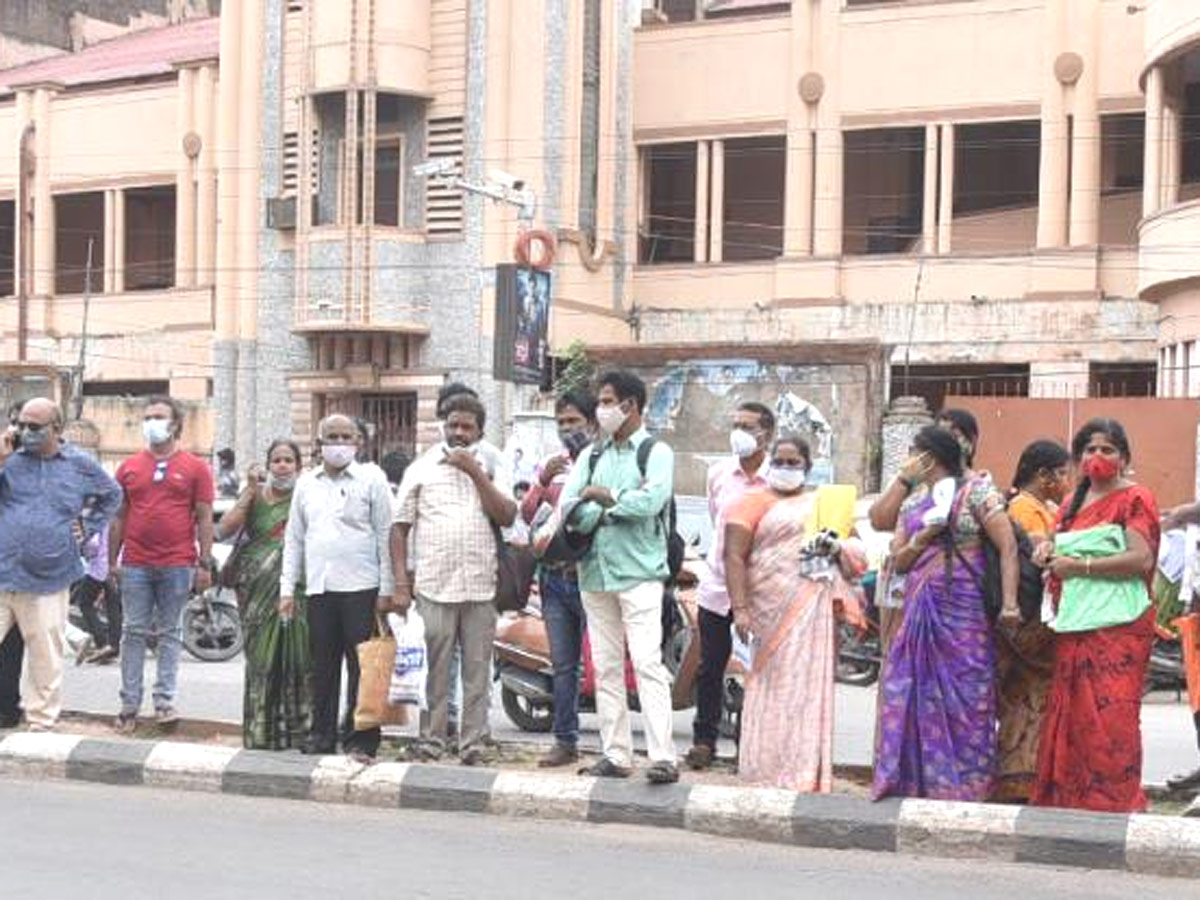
[[160, 522]]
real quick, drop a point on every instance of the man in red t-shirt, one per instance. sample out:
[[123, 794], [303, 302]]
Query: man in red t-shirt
[[166, 512]]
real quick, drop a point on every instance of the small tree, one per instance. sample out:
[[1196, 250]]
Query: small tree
[[578, 372]]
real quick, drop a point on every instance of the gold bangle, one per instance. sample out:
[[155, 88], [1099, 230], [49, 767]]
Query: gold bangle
[[1087, 566]]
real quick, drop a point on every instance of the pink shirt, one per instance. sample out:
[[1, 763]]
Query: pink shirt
[[727, 484]]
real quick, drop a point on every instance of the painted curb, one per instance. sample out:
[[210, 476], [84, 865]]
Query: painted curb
[[1144, 844]]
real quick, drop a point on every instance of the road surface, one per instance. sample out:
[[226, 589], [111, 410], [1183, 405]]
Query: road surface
[[116, 843]]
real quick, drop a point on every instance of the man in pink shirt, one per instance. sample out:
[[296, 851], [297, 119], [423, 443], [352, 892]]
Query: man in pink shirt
[[728, 481]]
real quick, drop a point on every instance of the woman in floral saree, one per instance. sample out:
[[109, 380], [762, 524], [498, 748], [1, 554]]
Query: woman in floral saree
[[937, 734], [788, 591], [1090, 750], [277, 700]]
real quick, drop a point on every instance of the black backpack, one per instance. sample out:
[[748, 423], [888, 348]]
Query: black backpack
[[666, 521]]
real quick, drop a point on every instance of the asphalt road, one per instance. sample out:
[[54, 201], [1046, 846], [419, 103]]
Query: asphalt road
[[100, 842], [214, 691]]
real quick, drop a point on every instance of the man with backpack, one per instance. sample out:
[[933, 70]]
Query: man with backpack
[[626, 488]]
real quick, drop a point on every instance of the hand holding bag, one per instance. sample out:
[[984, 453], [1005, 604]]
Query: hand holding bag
[[1088, 604], [376, 660]]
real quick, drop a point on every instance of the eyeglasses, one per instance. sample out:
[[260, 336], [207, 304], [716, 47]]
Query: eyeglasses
[[160, 471]]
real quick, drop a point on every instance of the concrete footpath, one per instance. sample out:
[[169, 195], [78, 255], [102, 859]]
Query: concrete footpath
[[1145, 844]]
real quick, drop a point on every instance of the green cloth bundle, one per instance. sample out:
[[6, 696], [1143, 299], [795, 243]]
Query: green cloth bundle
[[1087, 604]]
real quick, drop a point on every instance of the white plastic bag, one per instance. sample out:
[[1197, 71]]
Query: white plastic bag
[[412, 666], [743, 651]]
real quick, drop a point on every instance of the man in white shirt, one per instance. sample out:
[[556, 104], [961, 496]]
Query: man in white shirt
[[453, 502], [728, 481], [336, 545]]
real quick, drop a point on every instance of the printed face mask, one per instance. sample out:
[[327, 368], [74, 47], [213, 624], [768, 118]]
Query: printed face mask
[[156, 431], [786, 481], [1101, 468], [574, 441], [742, 443]]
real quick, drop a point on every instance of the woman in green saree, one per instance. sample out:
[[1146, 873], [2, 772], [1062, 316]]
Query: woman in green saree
[[277, 701]]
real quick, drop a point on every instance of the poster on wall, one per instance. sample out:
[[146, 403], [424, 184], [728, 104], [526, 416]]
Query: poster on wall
[[522, 324]]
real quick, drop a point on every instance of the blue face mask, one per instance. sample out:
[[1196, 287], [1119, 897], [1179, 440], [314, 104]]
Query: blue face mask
[[157, 431], [574, 441], [34, 441]]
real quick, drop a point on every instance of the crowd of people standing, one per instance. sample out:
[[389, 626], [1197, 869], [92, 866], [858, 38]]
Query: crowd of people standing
[[981, 697]]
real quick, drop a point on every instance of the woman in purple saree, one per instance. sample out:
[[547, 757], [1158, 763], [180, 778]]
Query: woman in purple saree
[[937, 735]]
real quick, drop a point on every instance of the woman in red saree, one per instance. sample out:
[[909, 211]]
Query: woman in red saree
[[1090, 749]]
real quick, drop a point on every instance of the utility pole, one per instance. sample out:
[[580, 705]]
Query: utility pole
[[912, 320], [25, 239], [83, 335]]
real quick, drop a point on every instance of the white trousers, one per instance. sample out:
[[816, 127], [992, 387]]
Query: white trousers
[[42, 619], [616, 619]]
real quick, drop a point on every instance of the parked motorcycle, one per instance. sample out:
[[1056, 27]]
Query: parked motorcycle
[[1165, 671], [212, 623], [860, 653], [526, 674]]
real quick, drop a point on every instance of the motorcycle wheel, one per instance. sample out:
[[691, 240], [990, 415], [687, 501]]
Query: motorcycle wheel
[[857, 672], [537, 718], [212, 632]]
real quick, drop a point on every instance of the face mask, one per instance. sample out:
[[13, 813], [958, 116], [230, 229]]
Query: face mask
[[157, 431], [338, 455], [1101, 468], [786, 481], [34, 441], [281, 482], [611, 418], [742, 443], [575, 441]]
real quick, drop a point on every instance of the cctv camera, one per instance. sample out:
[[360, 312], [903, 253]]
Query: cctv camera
[[434, 168], [512, 182]]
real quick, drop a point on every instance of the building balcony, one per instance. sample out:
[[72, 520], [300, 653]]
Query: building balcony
[[395, 59], [1166, 249], [1172, 27]]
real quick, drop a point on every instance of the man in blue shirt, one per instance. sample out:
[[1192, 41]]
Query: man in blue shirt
[[46, 489], [621, 578]]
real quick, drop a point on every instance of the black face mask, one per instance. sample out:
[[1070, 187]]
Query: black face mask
[[575, 441]]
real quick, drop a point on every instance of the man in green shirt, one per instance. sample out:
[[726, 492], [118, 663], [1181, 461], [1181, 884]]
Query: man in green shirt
[[621, 578]]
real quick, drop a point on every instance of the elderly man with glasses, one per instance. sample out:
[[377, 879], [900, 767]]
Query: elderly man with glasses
[[48, 493]]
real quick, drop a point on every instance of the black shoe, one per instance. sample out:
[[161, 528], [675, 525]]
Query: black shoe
[[700, 757], [559, 755], [315, 748], [10, 720], [1184, 782], [606, 768], [478, 756], [662, 773]]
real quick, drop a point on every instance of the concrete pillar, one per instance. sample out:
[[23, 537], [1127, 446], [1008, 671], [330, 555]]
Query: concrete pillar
[[904, 418], [43, 199], [1085, 135], [1054, 162], [118, 279], [716, 227], [798, 202], [1155, 105], [700, 232], [946, 206], [110, 241], [829, 188], [206, 176], [249, 156], [929, 202], [228, 161], [24, 116], [1059, 379], [185, 184], [1172, 155]]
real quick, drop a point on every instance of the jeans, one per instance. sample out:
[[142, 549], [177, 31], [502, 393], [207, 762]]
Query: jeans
[[338, 621], [154, 597], [716, 644], [562, 611], [84, 594]]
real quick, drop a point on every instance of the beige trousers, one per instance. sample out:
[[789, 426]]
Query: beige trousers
[[631, 617], [42, 619]]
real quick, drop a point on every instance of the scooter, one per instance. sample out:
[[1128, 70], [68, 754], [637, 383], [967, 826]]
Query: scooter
[[526, 674]]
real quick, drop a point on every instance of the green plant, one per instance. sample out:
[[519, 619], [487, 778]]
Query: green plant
[[578, 371]]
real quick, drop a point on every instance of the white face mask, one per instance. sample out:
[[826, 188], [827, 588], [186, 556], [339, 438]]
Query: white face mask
[[157, 431], [338, 455], [786, 481], [611, 418], [742, 443], [281, 482]]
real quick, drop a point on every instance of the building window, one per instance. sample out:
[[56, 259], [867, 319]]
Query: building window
[[150, 238], [388, 194], [443, 202], [691, 10], [996, 186], [936, 382], [1122, 379], [143, 388], [884, 195], [1190, 128], [669, 224], [8, 247], [755, 179], [1122, 141], [78, 221]]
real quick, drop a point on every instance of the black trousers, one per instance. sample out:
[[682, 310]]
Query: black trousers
[[716, 645], [12, 651], [338, 621], [84, 594]]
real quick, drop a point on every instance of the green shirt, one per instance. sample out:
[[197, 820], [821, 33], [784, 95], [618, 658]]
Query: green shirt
[[630, 546]]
